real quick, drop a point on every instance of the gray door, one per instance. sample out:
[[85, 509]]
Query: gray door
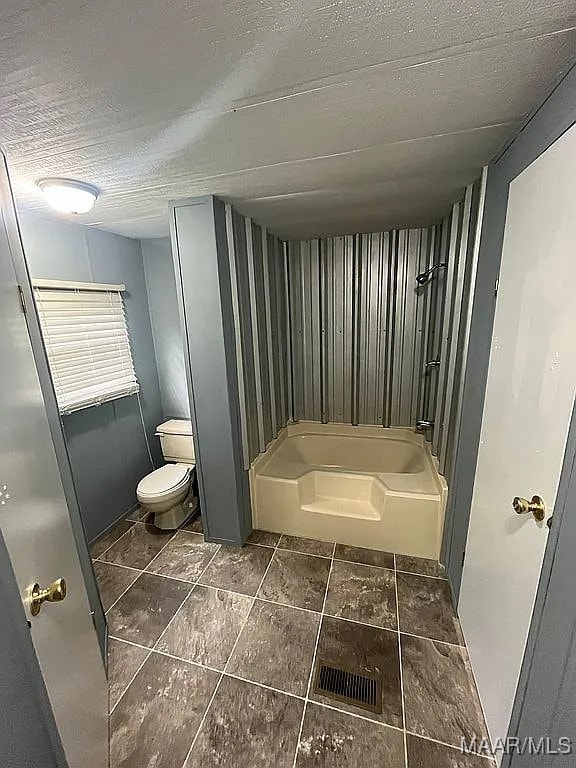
[[35, 524]]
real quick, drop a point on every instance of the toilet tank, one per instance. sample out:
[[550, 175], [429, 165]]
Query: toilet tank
[[176, 440]]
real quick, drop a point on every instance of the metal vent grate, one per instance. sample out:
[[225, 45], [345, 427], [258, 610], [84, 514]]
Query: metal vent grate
[[360, 690]]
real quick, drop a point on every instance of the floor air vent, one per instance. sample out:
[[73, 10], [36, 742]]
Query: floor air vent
[[360, 690]]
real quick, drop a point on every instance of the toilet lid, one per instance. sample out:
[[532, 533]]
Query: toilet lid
[[163, 479]]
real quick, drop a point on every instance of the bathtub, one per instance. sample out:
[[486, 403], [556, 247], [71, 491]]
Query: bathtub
[[363, 486]]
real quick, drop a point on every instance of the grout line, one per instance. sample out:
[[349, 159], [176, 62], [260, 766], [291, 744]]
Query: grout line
[[123, 593], [204, 716], [449, 746], [131, 679], [400, 668], [286, 693], [118, 565], [119, 537], [192, 586], [365, 565], [261, 685], [422, 575], [310, 677], [356, 715], [157, 555], [294, 551], [433, 640]]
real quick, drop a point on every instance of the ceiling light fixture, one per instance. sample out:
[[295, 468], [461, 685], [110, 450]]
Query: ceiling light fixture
[[68, 195]]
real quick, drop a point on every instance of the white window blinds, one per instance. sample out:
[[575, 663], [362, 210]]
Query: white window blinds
[[86, 339]]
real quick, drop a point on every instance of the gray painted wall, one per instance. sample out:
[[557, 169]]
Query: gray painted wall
[[106, 444], [548, 123], [166, 328]]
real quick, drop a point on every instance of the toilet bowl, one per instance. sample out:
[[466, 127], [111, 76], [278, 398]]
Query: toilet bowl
[[167, 492]]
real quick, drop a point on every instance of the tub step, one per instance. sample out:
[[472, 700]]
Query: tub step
[[327, 505]]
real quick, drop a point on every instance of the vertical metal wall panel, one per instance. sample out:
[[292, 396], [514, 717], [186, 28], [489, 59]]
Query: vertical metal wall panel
[[246, 332], [258, 305], [421, 303], [288, 335], [454, 327], [238, 334], [474, 249], [407, 333], [429, 314], [373, 259], [450, 260], [274, 356], [257, 269], [468, 259], [337, 288], [305, 330], [337, 329], [438, 289]]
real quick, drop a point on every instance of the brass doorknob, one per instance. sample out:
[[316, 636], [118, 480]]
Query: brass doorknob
[[536, 506], [53, 593]]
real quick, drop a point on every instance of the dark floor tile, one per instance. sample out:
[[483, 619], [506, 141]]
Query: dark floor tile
[[428, 754], [206, 626], [266, 538], [106, 541], [295, 579], [276, 647], [425, 608], [420, 565], [335, 740], [247, 726], [362, 593], [112, 581], [123, 663], [138, 547], [307, 546], [364, 650], [439, 695], [145, 610], [239, 569], [184, 557], [365, 556], [195, 525], [156, 720], [137, 515]]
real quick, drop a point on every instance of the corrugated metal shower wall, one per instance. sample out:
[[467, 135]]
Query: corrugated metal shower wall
[[362, 329], [338, 330], [259, 308]]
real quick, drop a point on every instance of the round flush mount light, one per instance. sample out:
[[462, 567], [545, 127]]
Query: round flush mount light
[[68, 195]]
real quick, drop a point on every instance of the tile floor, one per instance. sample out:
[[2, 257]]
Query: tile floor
[[212, 652]]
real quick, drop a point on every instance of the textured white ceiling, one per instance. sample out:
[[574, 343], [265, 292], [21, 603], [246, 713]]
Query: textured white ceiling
[[314, 117]]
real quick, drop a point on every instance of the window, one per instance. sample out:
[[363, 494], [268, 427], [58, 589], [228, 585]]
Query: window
[[86, 339]]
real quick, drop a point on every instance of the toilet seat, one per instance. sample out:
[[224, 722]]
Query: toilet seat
[[164, 481]]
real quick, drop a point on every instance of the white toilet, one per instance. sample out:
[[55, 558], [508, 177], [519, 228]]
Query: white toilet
[[167, 492]]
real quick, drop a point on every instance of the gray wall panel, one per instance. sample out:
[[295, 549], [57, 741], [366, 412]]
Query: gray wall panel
[[166, 329], [205, 290]]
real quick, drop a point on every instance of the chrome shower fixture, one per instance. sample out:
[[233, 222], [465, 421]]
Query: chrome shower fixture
[[423, 277], [424, 424]]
